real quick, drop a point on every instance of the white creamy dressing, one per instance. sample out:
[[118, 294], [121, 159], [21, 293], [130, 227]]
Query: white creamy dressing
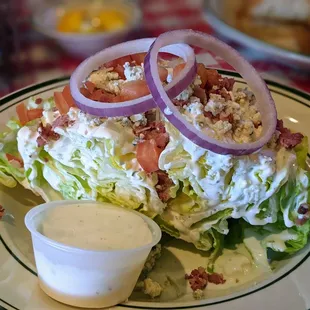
[[92, 227]]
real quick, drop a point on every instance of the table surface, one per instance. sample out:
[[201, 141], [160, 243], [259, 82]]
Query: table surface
[[41, 60]]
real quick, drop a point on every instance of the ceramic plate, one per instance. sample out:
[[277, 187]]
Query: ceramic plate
[[221, 14], [286, 288]]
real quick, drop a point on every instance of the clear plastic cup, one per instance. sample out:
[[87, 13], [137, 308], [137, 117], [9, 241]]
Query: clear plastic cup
[[86, 278]]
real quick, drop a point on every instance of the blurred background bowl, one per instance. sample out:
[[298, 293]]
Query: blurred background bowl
[[274, 39], [81, 44]]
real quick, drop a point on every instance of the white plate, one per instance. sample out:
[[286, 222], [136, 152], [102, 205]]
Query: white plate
[[286, 289], [217, 12]]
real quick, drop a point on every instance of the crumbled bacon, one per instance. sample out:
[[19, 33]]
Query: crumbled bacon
[[46, 134], [2, 211], [215, 79], [199, 278], [62, 121], [38, 101], [222, 92], [303, 208], [216, 278], [201, 94], [155, 131], [304, 214], [163, 186], [209, 115], [288, 139], [229, 118], [179, 103]]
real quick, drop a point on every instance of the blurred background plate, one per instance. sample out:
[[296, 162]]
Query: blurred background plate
[[287, 43]]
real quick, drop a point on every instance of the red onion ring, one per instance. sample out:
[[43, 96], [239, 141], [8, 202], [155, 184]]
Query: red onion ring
[[138, 105], [266, 104]]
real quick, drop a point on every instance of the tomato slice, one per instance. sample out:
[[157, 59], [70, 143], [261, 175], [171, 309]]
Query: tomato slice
[[90, 86], [177, 69], [85, 92], [120, 70], [147, 155], [134, 89], [61, 103], [119, 61], [138, 58], [21, 111], [203, 73], [34, 114], [68, 97]]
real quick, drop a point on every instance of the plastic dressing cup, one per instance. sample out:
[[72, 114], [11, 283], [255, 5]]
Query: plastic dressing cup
[[83, 277]]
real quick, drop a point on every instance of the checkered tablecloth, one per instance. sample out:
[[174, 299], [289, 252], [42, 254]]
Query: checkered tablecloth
[[41, 59]]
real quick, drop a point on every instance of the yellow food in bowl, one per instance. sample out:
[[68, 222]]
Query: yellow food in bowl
[[85, 21]]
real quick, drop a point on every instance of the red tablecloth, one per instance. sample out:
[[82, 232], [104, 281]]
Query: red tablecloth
[[42, 60]]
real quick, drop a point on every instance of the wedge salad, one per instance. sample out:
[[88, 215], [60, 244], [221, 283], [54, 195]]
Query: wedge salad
[[172, 139]]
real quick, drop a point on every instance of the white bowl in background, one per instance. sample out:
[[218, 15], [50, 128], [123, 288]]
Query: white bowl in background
[[85, 45]]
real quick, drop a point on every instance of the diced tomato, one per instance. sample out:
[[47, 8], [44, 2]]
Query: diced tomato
[[138, 58], [85, 92], [66, 92], [34, 114], [177, 69], [21, 111], [163, 73], [120, 70], [134, 89], [119, 61], [96, 95], [90, 86], [147, 155], [107, 97], [203, 73], [61, 103], [12, 157]]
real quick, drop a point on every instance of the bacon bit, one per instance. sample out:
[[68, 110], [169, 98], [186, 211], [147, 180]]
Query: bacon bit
[[213, 78], [38, 101], [11, 158], [209, 115], [257, 124], [2, 211], [199, 278], [179, 103], [304, 211], [216, 278], [288, 139], [303, 208], [229, 118], [90, 86], [222, 92], [201, 94], [158, 133], [62, 121], [46, 134], [163, 186], [154, 131]]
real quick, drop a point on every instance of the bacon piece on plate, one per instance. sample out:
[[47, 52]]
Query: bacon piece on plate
[[288, 139]]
